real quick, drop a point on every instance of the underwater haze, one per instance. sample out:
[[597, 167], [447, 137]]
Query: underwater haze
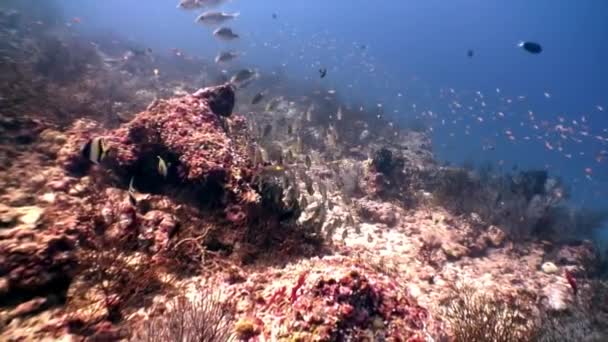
[[401, 54]]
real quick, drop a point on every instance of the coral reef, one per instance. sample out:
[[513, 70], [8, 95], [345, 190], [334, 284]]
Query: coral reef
[[334, 300], [308, 220]]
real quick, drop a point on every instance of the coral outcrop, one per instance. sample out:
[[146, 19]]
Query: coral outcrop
[[330, 300]]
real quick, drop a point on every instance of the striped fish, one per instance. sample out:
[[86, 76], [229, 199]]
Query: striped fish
[[94, 150]]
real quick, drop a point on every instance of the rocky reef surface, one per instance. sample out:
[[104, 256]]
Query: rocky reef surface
[[383, 269]]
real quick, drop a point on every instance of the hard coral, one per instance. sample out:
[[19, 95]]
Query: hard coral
[[186, 133], [208, 167], [220, 99], [353, 305], [35, 262]]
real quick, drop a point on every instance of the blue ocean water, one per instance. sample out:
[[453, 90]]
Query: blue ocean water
[[408, 60]]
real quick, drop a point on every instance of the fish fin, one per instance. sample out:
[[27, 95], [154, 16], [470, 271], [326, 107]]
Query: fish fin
[[86, 150], [103, 150], [132, 200], [131, 186]]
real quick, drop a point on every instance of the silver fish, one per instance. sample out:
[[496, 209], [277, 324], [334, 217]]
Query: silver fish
[[193, 4], [225, 33], [188, 4], [215, 18], [225, 56], [257, 98], [132, 193], [163, 167], [243, 76], [309, 111], [364, 135]]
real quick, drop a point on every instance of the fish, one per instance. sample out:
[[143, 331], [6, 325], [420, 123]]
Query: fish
[[194, 4], [156, 72], [132, 193], [308, 162], [323, 190], [364, 135], [225, 33], [243, 76], [257, 98], [339, 114], [215, 18], [163, 167], [267, 130], [289, 129], [323, 72], [225, 56], [272, 104], [290, 156], [188, 4], [470, 53], [303, 201], [95, 150], [531, 47], [273, 170], [274, 16], [257, 156], [309, 111], [309, 188]]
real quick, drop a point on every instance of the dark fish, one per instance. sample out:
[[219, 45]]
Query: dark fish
[[267, 130], [470, 53], [226, 56], [225, 33], [243, 76], [274, 15], [322, 72], [308, 162], [303, 202], [290, 156], [309, 188], [257, 98], [289, 129], [531, 47], [94, 150]]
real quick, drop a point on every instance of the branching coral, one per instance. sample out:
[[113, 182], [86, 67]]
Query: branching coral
[[204, 319], [110, 280], [476, 317], [529, 203]]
